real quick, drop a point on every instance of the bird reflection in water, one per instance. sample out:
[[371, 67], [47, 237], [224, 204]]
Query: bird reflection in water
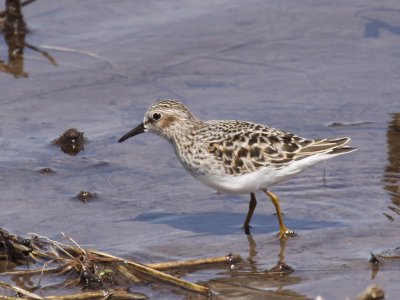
[[392, 171], [247, 280], [280, 267]]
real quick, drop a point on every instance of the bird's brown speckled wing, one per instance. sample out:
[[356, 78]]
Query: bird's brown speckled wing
[[244, 147]]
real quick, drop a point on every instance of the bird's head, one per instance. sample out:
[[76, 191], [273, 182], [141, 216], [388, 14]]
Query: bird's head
[[167, 118]]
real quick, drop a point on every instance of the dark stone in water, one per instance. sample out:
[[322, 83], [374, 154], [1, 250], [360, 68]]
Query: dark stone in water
[[46, 171], [282, 268], [71, 141], [86, 196]]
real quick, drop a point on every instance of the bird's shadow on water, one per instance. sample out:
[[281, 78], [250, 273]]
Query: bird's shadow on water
[[374, 27], [222, 223]]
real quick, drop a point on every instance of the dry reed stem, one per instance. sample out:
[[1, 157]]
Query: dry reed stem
[[158, 275], [125, 272], [78, 296], [196, 262], [30, 272], [20, 291], [99, 295]]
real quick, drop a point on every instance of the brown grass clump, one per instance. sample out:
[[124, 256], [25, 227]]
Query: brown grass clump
[[98, 274]]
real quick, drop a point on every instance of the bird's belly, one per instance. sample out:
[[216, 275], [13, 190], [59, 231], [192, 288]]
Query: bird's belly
[[261, 179], [240, 184]]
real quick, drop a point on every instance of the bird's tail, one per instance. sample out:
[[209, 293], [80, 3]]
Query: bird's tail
[[326, 146]]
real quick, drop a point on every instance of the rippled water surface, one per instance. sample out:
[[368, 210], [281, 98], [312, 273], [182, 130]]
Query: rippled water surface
[[315, 68]]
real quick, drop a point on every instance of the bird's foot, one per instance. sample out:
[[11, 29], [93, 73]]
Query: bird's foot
[[286, 232]]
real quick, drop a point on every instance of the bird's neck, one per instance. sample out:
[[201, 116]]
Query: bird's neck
[[184, 133]]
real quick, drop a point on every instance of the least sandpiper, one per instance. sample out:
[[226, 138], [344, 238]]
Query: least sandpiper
[[236, 157]]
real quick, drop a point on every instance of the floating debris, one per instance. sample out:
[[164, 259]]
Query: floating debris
[[389, 217], [71, 141], [106, 275], [374, 260], [388, 258], [394, 209], [355, 124], [86, 196], [14, 248], [390, 253]]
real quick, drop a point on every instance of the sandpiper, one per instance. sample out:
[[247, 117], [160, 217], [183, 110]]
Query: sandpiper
[[236, 157]]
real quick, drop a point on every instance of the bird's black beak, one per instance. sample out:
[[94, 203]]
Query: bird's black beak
[[135, 131]]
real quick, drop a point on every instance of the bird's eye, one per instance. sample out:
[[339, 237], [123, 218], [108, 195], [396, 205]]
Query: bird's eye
[[156, 116]]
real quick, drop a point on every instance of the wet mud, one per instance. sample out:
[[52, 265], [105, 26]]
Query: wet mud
[[320, 70]]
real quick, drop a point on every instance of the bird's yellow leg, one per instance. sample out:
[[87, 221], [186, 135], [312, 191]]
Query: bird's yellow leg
[[283, 230]]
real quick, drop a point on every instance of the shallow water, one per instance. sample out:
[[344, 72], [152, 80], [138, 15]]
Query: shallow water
[[318, 69]]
